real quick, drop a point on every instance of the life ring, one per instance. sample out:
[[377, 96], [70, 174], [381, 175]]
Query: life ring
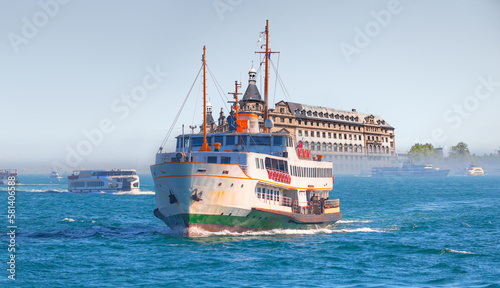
[[269, 174], [289, 179]]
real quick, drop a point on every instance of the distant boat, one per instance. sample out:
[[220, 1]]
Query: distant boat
[[409, 170], [8, 177], [473, 170], [54, 176], [103, 180]]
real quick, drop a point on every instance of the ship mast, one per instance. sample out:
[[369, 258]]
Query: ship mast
[[204, 147], [235, 95], [266, 77]]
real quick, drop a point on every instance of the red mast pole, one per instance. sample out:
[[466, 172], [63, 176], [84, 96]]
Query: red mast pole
[[204, 147], [266, 77]]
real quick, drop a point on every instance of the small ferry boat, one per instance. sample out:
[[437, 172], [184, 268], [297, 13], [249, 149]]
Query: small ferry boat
[[245, 179], [54, 176], [103, 180], [473, 170], [8, 177], [409, 170]]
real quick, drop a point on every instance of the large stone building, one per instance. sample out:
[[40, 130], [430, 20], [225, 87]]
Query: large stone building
[[353, 141]]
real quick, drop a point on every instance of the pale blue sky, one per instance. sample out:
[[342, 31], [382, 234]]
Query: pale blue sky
[[66, 77]]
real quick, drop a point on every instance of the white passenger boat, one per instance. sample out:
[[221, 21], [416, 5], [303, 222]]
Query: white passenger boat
[[473, 170], [8, 177], [247, 178], [103, 180]]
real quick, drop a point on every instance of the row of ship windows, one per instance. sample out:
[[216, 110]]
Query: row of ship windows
[[268, 194], [89, 184], [311, 172], [197, 141], [281, 165]]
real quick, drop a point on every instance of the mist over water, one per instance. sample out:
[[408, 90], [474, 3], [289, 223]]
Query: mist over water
[[395, 232]]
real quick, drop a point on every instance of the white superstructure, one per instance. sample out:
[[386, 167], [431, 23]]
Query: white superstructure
[[103, 180]]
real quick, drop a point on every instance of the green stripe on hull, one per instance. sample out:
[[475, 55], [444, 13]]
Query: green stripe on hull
[[256, 220]]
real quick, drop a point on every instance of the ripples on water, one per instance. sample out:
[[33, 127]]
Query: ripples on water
[[396, 232]]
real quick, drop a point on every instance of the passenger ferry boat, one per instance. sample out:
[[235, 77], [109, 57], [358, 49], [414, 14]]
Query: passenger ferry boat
[[473, 170], [54, 176], [103, 180], [242, 180], [409, 170], [8, 175]]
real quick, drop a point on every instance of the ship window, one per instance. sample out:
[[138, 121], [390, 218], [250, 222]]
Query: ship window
[[197, 141], [260, 140], [278, 141], [219, 139], [242, 140], [225, 160], [212, 159], [230, 140], [261, 164], [257, 163]]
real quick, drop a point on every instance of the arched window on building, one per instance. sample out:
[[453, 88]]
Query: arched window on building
[[306, 145], [355, 148], [360, 148], [341, 149], [313, 146], [324, 146], [318, 146], [370, 148], [387, 150], [346, 148], [330, 147], [378, 149], [335, 147]]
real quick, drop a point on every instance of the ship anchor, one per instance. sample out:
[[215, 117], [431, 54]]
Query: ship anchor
[[172, 197], [196, 196]]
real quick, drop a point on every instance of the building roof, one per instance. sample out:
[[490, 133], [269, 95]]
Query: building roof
[[331, 114], [252, 93]]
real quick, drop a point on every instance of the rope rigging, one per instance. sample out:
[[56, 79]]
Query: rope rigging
[[178, 113]]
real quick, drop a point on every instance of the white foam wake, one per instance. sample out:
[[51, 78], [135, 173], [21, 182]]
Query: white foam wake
[[68, 219], [456, 251], [46, 191], [134, 193], [198, 232], [354, 221]]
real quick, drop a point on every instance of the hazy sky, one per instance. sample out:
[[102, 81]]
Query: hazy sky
[[69, 69]]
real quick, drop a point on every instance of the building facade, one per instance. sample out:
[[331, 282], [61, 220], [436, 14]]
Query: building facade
[[355, 142]]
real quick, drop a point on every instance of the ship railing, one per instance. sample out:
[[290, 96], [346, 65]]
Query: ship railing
[[286, 201], [334, 203]]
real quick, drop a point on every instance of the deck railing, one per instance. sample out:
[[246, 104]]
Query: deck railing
[[334, 203], [287, 201]]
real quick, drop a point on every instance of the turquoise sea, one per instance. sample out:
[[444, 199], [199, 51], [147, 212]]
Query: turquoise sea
[[395, 233]]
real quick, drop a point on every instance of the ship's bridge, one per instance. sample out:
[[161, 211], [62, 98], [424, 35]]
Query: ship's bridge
[[264, 143]]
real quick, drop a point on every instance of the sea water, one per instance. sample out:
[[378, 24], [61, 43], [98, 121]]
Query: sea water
[[419, 232]]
